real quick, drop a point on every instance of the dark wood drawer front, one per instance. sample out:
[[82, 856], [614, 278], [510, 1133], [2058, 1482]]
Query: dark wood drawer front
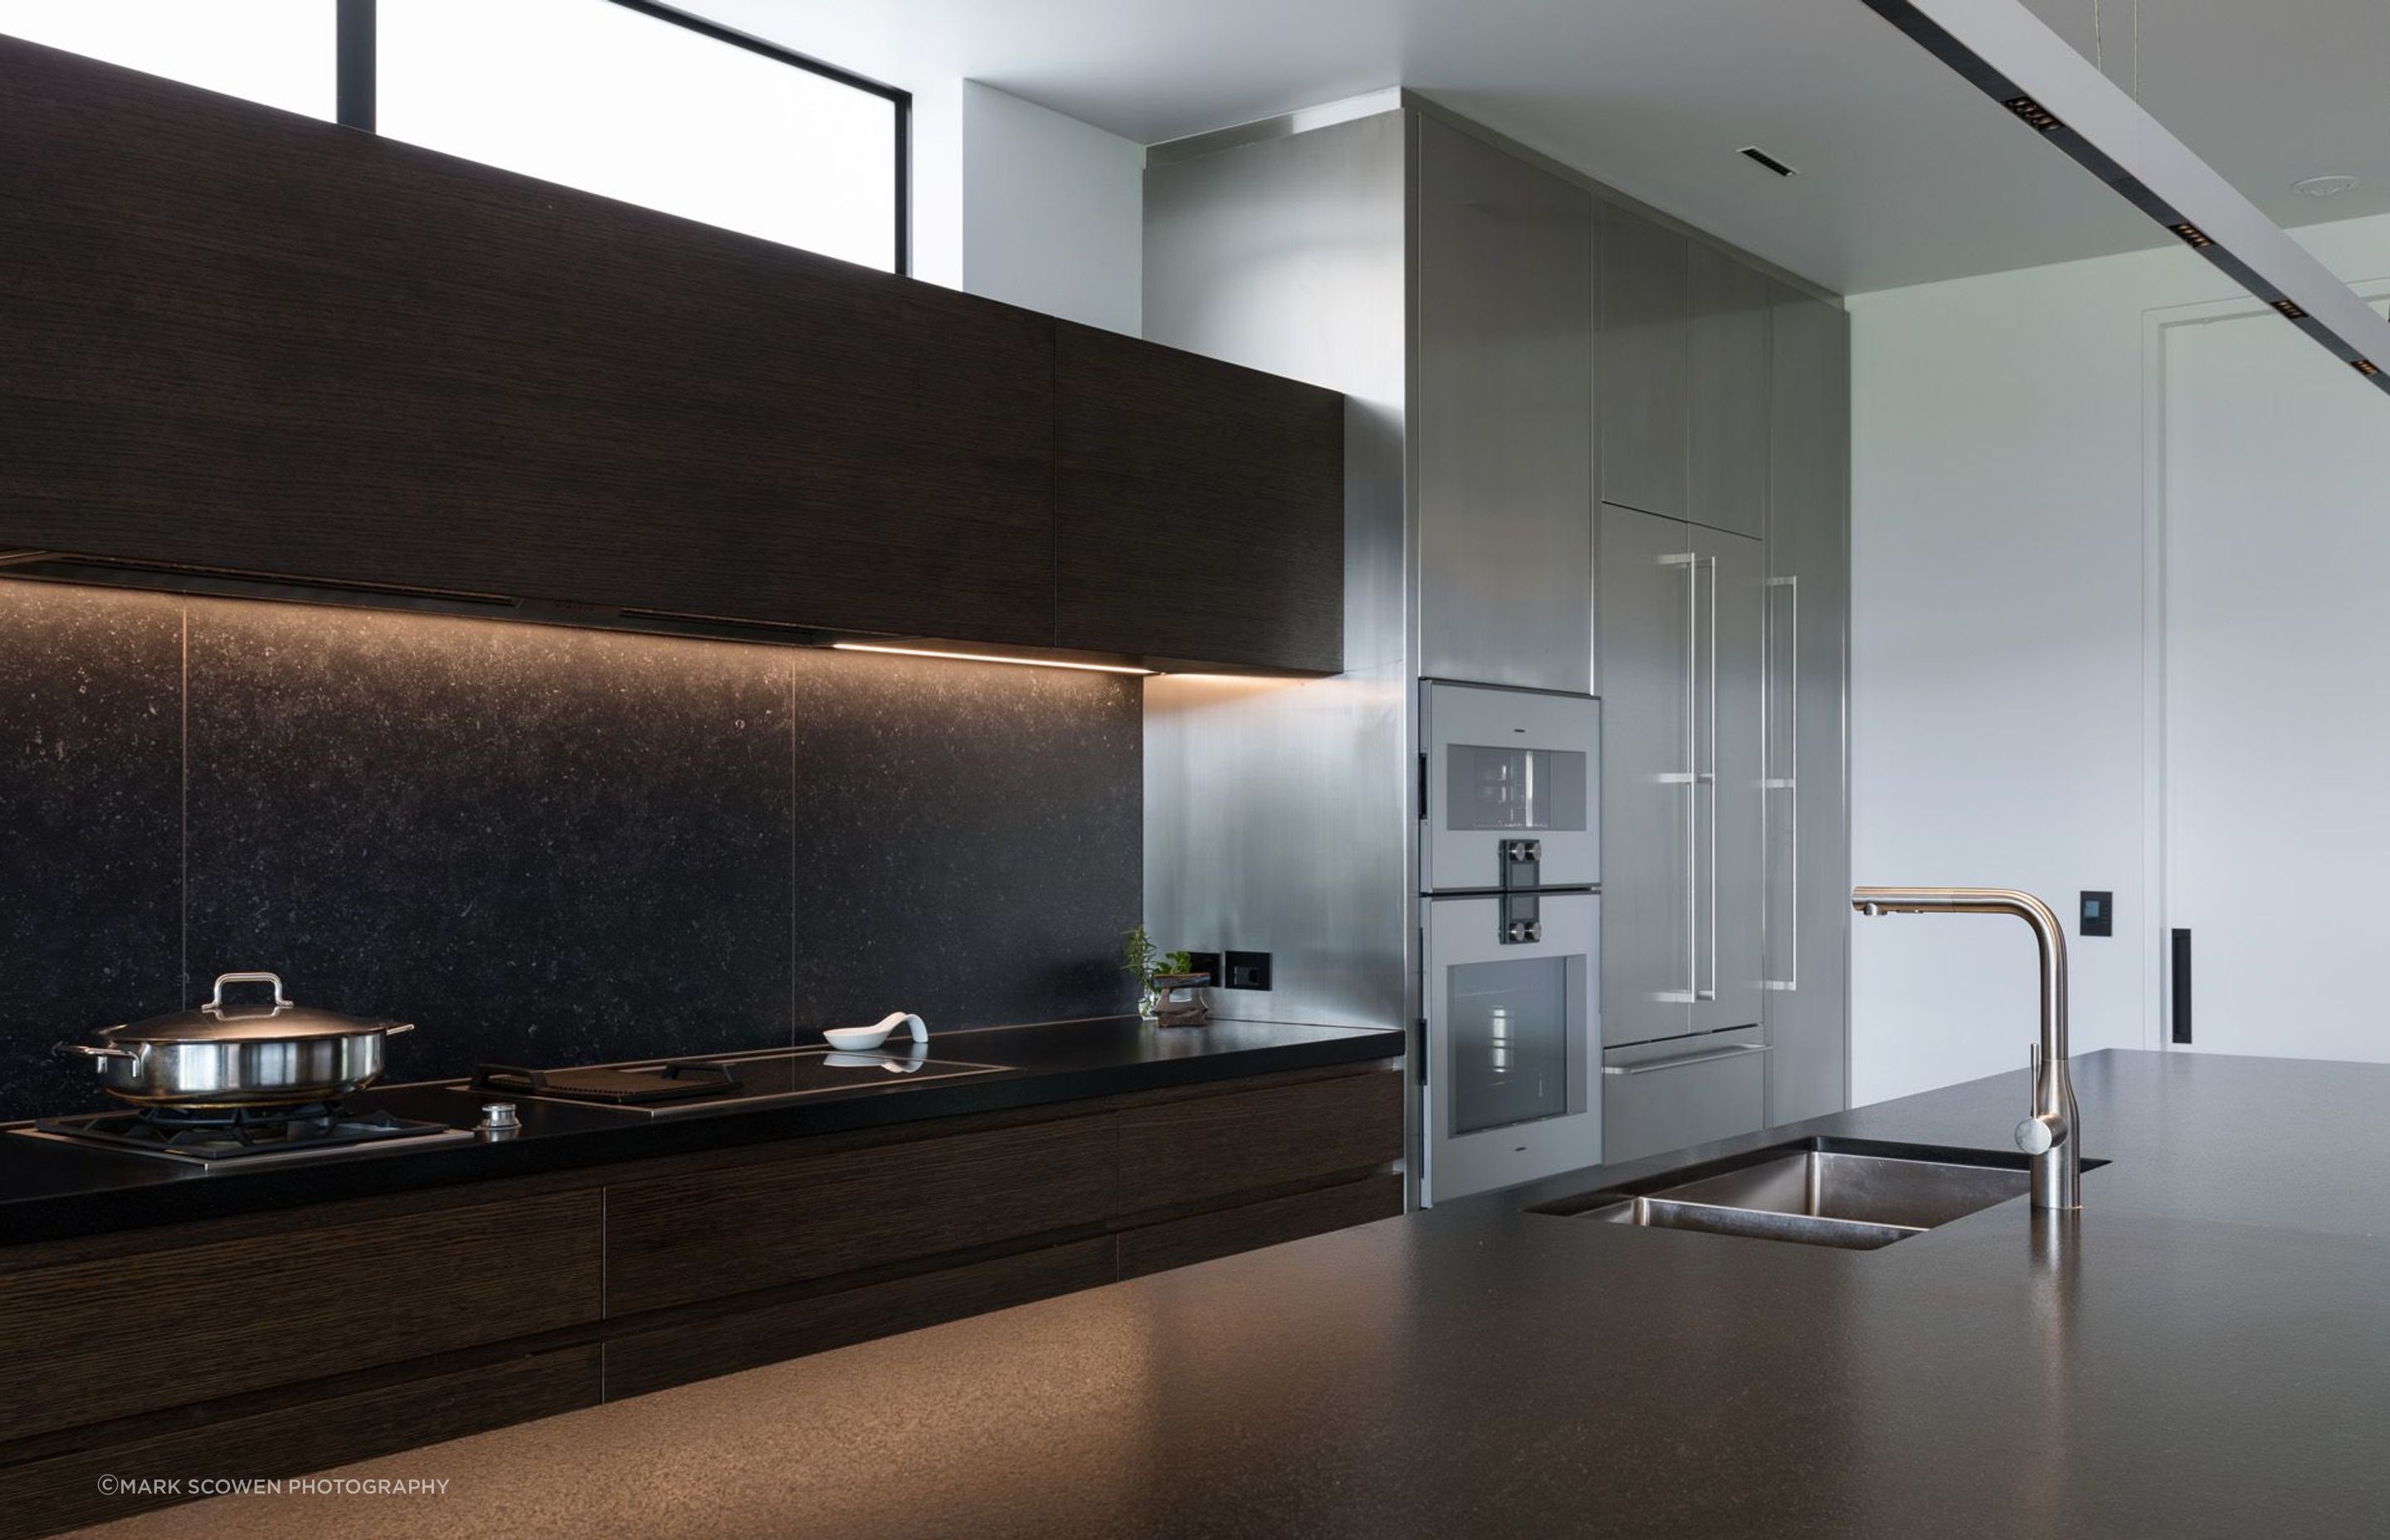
[[1214, 1147], [1157, 1248], [681, 1239], [45, 1496], [244, 1314], [245, 340], [675, 1354], [1200, 507]]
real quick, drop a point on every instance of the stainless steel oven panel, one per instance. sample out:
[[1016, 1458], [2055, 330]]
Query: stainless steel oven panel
[[1511, 1048], [1509, 773]]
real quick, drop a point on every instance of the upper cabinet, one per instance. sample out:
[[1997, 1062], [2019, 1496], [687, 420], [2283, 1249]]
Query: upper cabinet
[[1644, 362], [1684, 378], [1200, 507], [249, 342], [1502, 416], [1726, 374], [1806, 762]]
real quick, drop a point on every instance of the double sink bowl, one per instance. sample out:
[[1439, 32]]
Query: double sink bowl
[[1854, 1194]]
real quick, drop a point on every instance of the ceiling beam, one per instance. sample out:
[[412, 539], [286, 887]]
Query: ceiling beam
[[2005, 51]]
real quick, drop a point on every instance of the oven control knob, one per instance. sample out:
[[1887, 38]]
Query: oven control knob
[[499, 1121]]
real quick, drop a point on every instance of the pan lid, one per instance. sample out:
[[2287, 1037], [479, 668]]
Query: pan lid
[[222, 1022]]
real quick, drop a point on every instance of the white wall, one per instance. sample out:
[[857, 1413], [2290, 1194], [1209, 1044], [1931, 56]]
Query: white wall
[[1025, 205], [937, 146], [1052, 212], [1997, 637]]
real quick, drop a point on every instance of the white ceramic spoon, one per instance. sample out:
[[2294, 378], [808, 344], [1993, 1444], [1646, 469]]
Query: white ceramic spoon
[[859, 1039]]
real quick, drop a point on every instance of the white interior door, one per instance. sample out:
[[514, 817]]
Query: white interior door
[[2276, 695]]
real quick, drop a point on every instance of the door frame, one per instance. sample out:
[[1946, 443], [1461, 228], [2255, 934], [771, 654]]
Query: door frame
[[2157, 323]]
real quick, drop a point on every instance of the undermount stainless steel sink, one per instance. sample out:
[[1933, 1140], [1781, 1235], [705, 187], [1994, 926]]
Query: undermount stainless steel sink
[[1818, 1192]]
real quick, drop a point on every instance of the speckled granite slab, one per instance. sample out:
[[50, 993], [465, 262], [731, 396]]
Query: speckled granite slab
[[540, 845]]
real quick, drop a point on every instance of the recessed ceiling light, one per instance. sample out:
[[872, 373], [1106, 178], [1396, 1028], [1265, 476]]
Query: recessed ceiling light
[[1760, 157], [2324, 186]]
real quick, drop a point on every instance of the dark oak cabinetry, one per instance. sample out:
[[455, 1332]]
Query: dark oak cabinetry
[[1199, 507], [253, 343], [243, 1314], [679, 1238], [310, 1338]]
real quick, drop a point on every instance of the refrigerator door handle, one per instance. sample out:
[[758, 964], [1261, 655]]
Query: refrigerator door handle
[[1790, 782], [1690, 777], [1710, 781]]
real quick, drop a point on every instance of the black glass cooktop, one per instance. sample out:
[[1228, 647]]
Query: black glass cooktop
[[739, 1080]]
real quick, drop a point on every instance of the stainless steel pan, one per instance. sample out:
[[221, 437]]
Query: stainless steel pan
[[222, 1055]]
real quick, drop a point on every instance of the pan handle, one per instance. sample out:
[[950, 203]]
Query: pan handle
[[397, 1027], [87, 1052], [216, 1001]]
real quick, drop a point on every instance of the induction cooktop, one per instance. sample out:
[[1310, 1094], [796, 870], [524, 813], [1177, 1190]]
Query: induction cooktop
[[681, 1087]]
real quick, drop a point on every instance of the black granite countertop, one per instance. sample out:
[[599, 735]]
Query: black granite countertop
[[50, 1190], [2206, 1350]]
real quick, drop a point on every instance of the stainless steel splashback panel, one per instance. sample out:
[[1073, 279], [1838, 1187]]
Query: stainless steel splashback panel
[[1278, 812]]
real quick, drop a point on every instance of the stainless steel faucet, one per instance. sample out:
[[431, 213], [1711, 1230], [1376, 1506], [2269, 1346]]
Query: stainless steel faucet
[[2052, 1135]]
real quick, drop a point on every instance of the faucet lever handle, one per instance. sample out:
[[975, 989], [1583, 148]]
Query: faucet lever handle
[[2037, 1134]]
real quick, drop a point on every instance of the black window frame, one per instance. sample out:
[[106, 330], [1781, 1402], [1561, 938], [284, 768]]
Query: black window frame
[[356, 89]]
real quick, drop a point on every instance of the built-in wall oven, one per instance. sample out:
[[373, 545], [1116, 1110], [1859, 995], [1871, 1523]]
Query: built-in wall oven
[[1511, 921]]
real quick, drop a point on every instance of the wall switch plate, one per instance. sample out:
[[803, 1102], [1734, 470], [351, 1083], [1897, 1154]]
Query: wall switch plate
[[2098, 917], [1249, 970], [1205, 962]]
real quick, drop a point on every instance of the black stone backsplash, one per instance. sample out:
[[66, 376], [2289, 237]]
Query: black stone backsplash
[[541, 845]]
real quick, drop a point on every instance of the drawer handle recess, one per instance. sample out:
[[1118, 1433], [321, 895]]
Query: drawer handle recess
[[1714, 1056]]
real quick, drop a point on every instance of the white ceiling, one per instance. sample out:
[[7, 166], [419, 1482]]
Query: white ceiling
[[2268, 91], [1907, 174]]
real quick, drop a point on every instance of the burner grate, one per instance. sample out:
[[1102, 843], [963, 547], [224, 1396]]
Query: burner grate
[[224, 1135]]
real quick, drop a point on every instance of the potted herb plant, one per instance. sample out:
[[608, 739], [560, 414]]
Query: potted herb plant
[[1165, 989]]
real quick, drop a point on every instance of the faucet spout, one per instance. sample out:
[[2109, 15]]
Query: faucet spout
[[2053, 1136]]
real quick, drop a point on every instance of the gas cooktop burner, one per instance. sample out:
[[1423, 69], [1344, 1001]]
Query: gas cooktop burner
[[213, 1136]]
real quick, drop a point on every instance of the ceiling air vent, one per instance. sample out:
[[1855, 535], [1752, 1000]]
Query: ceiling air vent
[[2033, 112], [2291, 309], [2364, 366], [2192, 233], [1752, 152]]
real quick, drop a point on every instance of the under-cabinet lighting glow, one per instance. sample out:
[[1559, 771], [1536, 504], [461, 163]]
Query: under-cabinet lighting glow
[[990, 657]]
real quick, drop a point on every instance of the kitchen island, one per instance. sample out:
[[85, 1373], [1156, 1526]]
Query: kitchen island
[[2204, 1351]]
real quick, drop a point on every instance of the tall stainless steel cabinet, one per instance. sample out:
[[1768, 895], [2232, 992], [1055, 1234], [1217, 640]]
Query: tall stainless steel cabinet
[[1805, 751], [1680, 615], [1501, 417], [1684, 377]]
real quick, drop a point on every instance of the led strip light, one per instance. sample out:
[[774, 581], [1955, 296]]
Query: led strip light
[[2006, 52]]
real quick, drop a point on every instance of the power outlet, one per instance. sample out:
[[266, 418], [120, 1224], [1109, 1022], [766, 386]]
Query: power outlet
[[1249, 970], [1206, 963]]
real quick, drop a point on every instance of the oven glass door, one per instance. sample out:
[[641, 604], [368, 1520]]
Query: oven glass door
[[1511, 1040], [1508, 769], [1507, 1044]]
